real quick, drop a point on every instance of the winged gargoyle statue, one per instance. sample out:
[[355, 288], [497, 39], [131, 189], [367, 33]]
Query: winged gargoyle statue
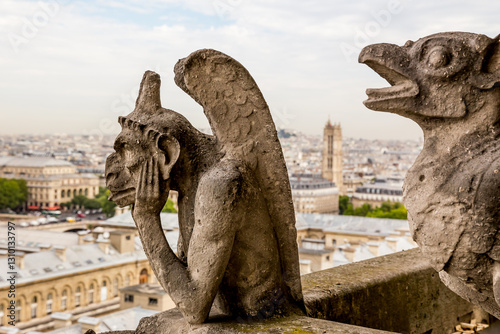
[[237, 248], [449, 84]]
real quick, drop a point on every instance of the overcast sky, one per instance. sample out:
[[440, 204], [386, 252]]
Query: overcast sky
[[70, 66]]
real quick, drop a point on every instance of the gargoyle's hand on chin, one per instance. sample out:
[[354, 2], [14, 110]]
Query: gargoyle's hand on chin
[[151, 196]]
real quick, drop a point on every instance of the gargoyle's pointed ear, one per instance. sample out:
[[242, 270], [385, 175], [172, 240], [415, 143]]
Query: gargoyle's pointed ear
[[489, 75], [171, 147]]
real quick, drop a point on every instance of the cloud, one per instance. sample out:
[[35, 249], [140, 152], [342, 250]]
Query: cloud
[[82, 68]]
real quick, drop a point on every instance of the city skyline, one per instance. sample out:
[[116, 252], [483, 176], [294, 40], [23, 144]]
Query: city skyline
[[73, 66]]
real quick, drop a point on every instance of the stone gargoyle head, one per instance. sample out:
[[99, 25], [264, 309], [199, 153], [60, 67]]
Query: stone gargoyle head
[[449, 84]]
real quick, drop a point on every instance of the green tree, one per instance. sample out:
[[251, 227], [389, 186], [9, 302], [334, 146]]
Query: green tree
[[385, 210], [79, 200], [169, 207], [343, 204], [13, 193], [66, 205], [108, 207], [92, 204]]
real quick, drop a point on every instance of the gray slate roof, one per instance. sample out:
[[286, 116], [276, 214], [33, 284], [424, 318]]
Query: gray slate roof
[[349, 224], [32, 162]]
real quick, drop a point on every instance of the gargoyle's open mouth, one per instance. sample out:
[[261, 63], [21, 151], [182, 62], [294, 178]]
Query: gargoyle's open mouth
[[401, 86], [116, 196]]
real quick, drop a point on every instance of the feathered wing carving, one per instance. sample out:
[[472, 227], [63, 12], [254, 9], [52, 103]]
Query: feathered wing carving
[[241, 121]]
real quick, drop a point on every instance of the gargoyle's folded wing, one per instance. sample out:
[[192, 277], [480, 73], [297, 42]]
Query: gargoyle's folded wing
[[242, 123]]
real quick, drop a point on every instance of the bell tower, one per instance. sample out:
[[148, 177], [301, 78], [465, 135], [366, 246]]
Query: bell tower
[[332, 154]]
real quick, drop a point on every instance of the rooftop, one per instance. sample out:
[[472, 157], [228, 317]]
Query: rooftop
[[32, 162], [146, 288], [350, 224]]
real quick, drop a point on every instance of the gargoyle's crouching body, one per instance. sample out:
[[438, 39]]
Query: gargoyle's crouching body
[[449, 84], [237, 251]]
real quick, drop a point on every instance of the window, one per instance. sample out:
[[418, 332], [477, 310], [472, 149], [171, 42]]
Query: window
[[78, 293], [115, 287], [127, 280], [1, 314], [64, 300], [18, 311], [63, 193], [129, 298], [104, 291], [143, 276], [153, 301], [330, 144], [49, 303], [91, 293], [34, 306]]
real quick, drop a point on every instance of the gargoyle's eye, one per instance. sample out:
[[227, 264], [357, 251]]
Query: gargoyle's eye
[[438, 57]]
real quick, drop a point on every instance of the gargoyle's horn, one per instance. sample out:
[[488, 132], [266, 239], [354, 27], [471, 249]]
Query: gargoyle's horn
[[148, 100]]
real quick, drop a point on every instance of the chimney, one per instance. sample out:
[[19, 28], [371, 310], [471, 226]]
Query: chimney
[[349, 253], [61, 319], [20, 259], [103, 245], [88, 239], [81, 235], [355, 243], [392, 243], [89, 323], [61, 252], [373, 248], [97, 232], [122, 241]]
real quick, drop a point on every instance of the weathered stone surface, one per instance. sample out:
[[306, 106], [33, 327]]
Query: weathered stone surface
[[237, 251], [398, 292], [163, 322], [449, 84]]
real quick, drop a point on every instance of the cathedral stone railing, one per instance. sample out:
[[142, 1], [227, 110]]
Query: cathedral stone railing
[[396, 293]]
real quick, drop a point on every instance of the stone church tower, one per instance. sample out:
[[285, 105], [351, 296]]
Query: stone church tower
[[332, 154]]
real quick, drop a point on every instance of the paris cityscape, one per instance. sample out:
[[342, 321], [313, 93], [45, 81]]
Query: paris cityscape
[[333, 238]]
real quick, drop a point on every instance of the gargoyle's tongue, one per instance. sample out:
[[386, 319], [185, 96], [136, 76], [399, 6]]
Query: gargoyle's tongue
[[390, 62]]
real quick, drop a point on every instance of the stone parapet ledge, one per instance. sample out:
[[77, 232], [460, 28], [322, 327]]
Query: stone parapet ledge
[[398, 293], [172, 322]]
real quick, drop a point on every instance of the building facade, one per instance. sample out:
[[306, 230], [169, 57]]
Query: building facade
[[314, 194], [82, 278], [50, 181], [377, 193], [332, 155]]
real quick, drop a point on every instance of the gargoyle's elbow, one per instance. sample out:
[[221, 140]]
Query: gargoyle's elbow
[[195, 319], [193, 314]]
